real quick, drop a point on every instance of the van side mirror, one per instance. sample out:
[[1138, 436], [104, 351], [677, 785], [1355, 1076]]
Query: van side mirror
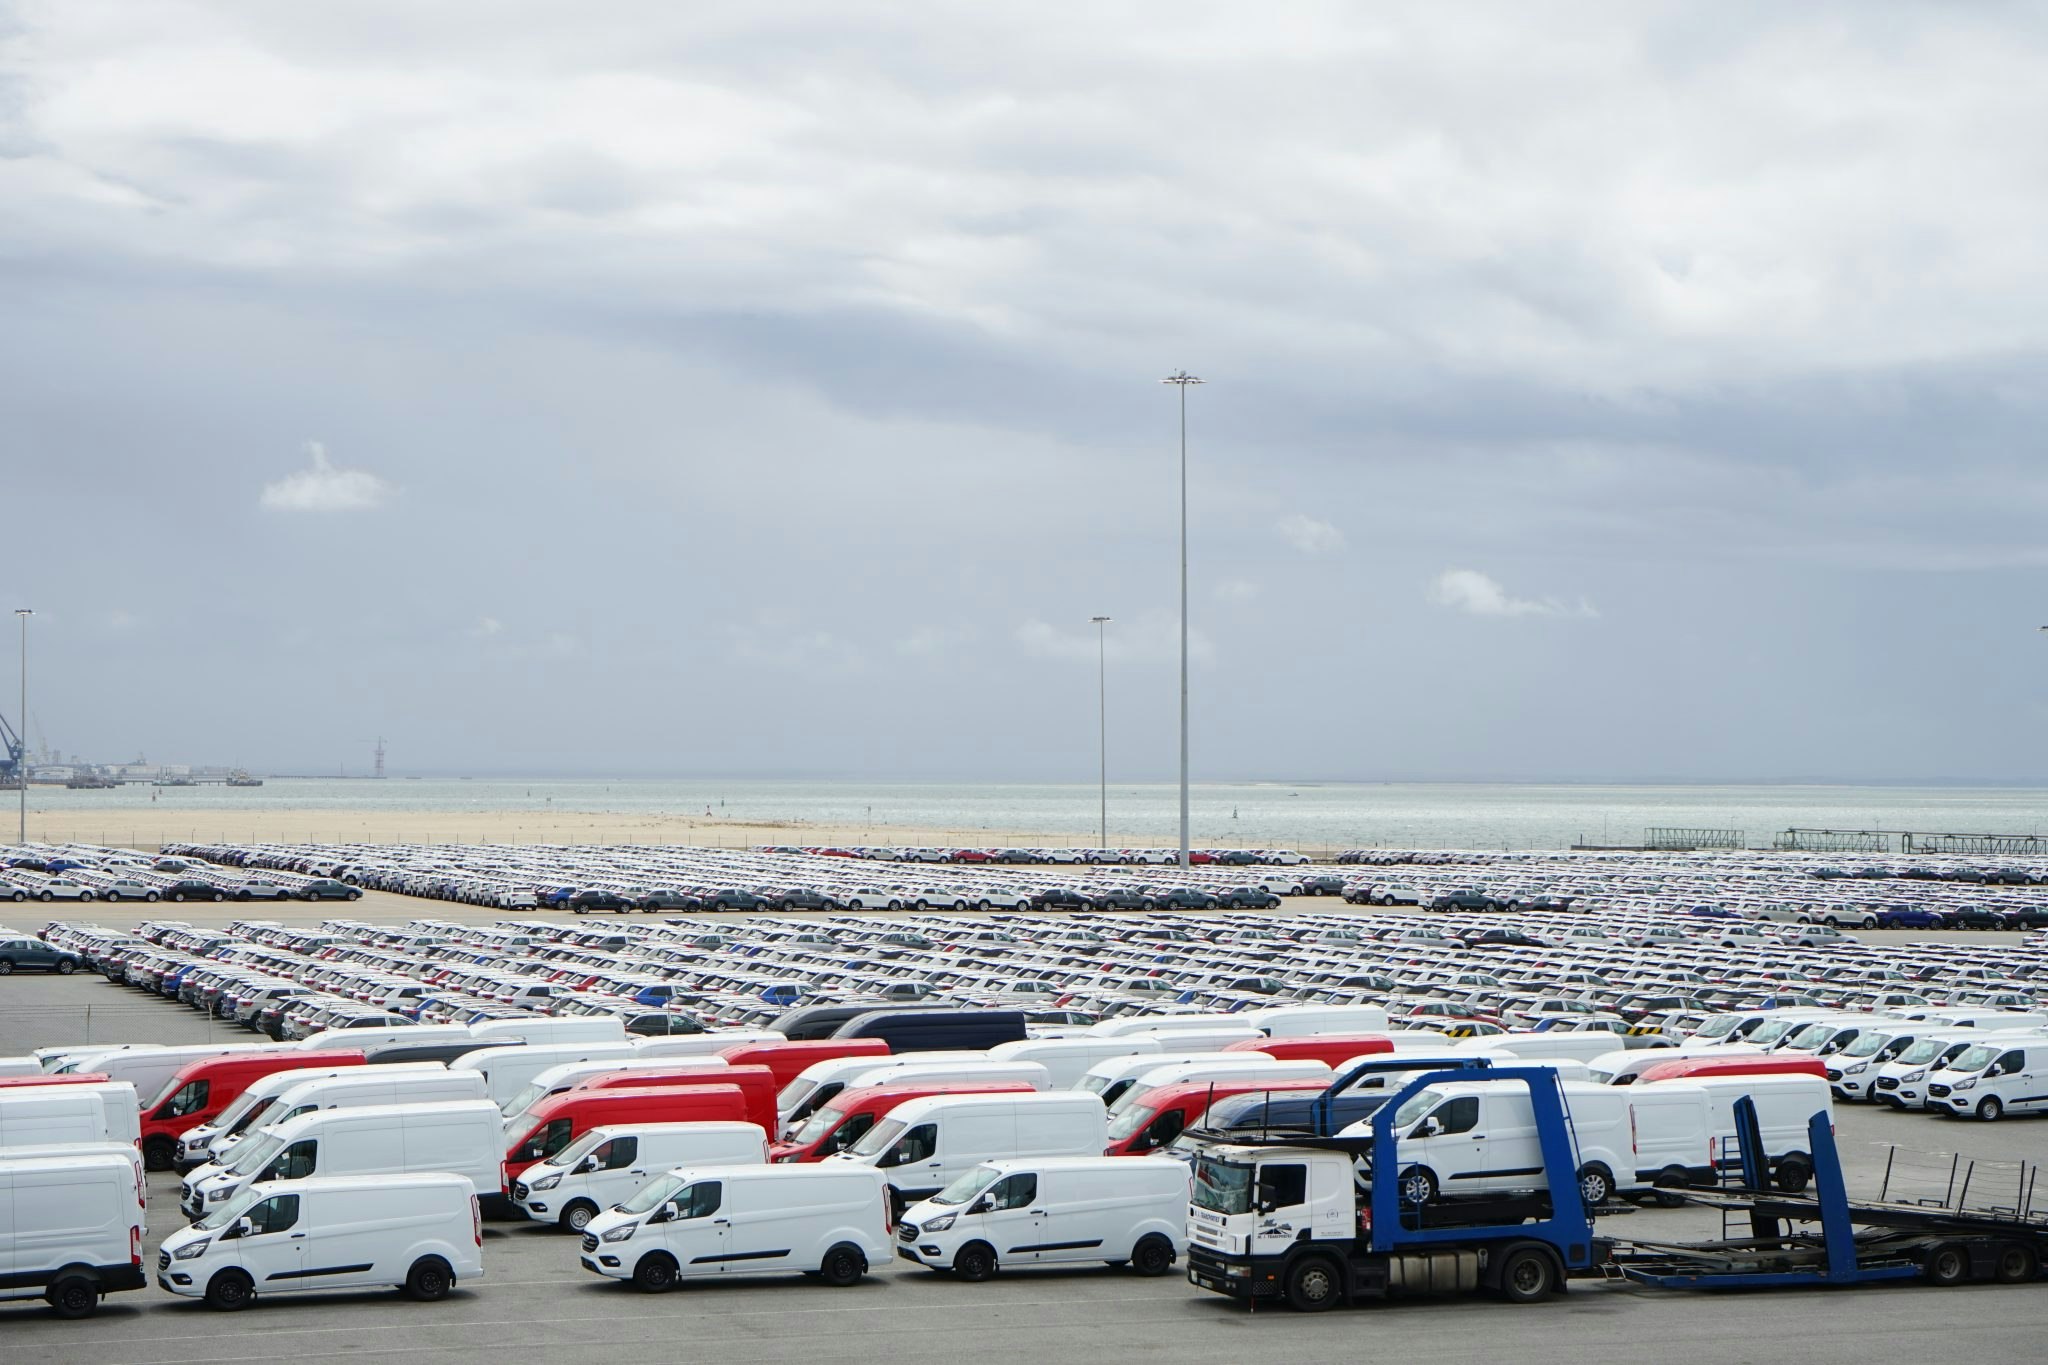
[[1430, 1127], [586, 1166], [985, 1204], [242, 1228]]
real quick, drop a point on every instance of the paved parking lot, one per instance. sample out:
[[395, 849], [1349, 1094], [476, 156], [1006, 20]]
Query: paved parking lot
[[536, 1303]]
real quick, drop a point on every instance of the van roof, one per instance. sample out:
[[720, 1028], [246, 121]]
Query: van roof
[[555, 1103], [41, 1165], [388, 1112], [1120, 1165], [862, 1096], [357, 1184]]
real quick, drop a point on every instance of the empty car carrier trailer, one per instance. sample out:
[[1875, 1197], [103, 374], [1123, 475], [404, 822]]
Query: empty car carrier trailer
[[1319, 1221]]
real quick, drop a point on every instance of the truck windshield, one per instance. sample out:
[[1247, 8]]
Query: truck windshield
[[1222, 1186], [968, 1186]]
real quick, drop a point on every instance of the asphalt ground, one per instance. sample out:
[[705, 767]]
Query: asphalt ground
[[536, 1304]]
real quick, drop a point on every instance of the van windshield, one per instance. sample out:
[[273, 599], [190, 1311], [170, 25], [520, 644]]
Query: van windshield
[[1772, 1031], [653, 1195], [1976, 1059], [1222, 1186], [1926, 1050], [255, 1153], [1813, 1035], [580, 1148], [792, 1095], [1868, 1044], [523, 1101], [1417, 1108], [968, 1186], [818, 1125], [879, 1138], [1130, 1119], [1718, 1027], [227, 1213]]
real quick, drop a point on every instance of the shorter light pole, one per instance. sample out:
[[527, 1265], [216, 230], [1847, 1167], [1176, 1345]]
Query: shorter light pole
[[21, 768], [1102, 718]]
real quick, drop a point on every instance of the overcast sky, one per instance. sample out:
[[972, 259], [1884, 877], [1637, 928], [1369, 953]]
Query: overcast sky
[[1626, 391]]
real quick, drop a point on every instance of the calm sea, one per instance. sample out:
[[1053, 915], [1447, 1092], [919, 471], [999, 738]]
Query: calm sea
[[1324, 815]]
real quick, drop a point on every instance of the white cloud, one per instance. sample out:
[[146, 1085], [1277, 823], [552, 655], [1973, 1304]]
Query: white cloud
[[1310, 536], [1474, 593], [486, 627], [1152, 635], [325, 488], [1236, 590], [120, 618]]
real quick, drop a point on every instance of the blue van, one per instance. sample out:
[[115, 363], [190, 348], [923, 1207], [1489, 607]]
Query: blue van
[[936, 1030]]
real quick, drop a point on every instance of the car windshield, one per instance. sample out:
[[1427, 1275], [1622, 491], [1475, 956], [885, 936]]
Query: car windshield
[[1976, 1059], [1417, 1108], [255, 1153], [968, 1186], [1222, 1186], [580, 1148], [654, 1195], [227, 1213], [879, 1138]]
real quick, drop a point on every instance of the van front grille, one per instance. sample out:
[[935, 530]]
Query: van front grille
[[589, 1241]]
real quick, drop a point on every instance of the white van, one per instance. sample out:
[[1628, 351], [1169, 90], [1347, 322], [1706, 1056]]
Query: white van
[[20, 1066], [151, 1071], [127, 1151], [463, 1137], [1623, 1066], [1902, 1082], [1548, 1045], [356, 1039], [1671, 1126], [1110, 1081], [608, 1165], [1198, 1039], [1162, 1024], [1068, 1059], [421, 1233], [1994, 1078], [356, 1088], [1058, 1211], [56, 1060], [1242, 1066], [830, 1219], [924, 1145], [815, 1086], [247, 1110], [54, 1115], [1303, 1021], [556, 1079], [70, 1230], [542, 1028], [913, 1069], [1479, 1137], [1784, 1105], [1853, 1071], [509, 1070]]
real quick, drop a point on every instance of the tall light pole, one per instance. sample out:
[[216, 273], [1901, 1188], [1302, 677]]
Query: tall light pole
[[1182, 379], [1102, 716], [21, 768]]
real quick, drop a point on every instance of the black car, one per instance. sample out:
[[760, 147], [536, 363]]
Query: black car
[[2032, 917], [1061, 898], [1184, 898], [1121, 899], [328, 889], [1973, 917], [583, 902], [192, 889], [1501, 938], [1464, 900], [804, 898], [1248, 898], [1322, 884], [668, 900], [732, 898], [32, 954]]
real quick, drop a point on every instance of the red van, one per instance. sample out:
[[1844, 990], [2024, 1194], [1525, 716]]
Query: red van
[[11, 1082], [851, 1113], [787, 1060], [757, 1083], [1331, 1049], [1761, 1064], [1155, 1117], [560, 1119], [206, 1087]]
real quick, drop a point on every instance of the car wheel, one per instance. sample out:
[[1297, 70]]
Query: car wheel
[[1527, 1275], [230, 1291], [1314, 1284], [655, 1273], [1417, 1185], [577, 1216], [1596, 1187], [46, 896], [843, 1266], [6, 967], [1792, 1175], [428, 1280], [1990, 1108], [217, 897], [1152, 1255], [353, 896], [74, 1298], [149, 896], [21, 895], [975, 1262]]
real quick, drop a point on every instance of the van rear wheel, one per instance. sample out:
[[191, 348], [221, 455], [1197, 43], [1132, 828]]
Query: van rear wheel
[[76, 1297], [843, 1265], [1152, 1256], [1793, 1174], [1596, 1187], [429, 1279], [655, 1273], [975, 1262], [230, 1291], [578, 1215], [159, 1153]]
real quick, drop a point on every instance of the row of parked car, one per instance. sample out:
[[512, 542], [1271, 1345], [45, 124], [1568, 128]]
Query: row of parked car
[[114, 875]]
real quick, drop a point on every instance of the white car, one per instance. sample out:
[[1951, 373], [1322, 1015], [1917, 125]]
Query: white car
[[63, 889], [127, 889]]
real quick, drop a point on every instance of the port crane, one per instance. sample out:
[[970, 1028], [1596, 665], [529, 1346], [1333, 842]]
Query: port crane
[[13, 755]]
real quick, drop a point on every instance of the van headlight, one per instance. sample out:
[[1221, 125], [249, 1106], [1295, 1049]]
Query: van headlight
[[215, 1196], [192, 1251], [939, 1224], [1970, 1084], [1856, 1070], [546, 1182], [1914, 1076], [619, 1233]]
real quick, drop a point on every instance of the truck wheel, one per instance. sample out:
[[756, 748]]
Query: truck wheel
[[578, 1215], [655, 1273], [1596, 1187], [844, 1265], [159, 1153], [1314, 1284], [2016, 1263], [230, 1291], [1793, 1174], [1527, 1275], [1418, 1185], [75, 1297], [1153, 1255], [1990, 1108], [975, 1262], [1947, 1264], [428, 1280]]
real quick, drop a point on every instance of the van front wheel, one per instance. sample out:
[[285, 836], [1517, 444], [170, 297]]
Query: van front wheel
[[655, 1273], [1152, 1256], [578, 1215], [429, 1279], [844, 1265], [76, 1297], [230, 1291], [975, 1262]]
